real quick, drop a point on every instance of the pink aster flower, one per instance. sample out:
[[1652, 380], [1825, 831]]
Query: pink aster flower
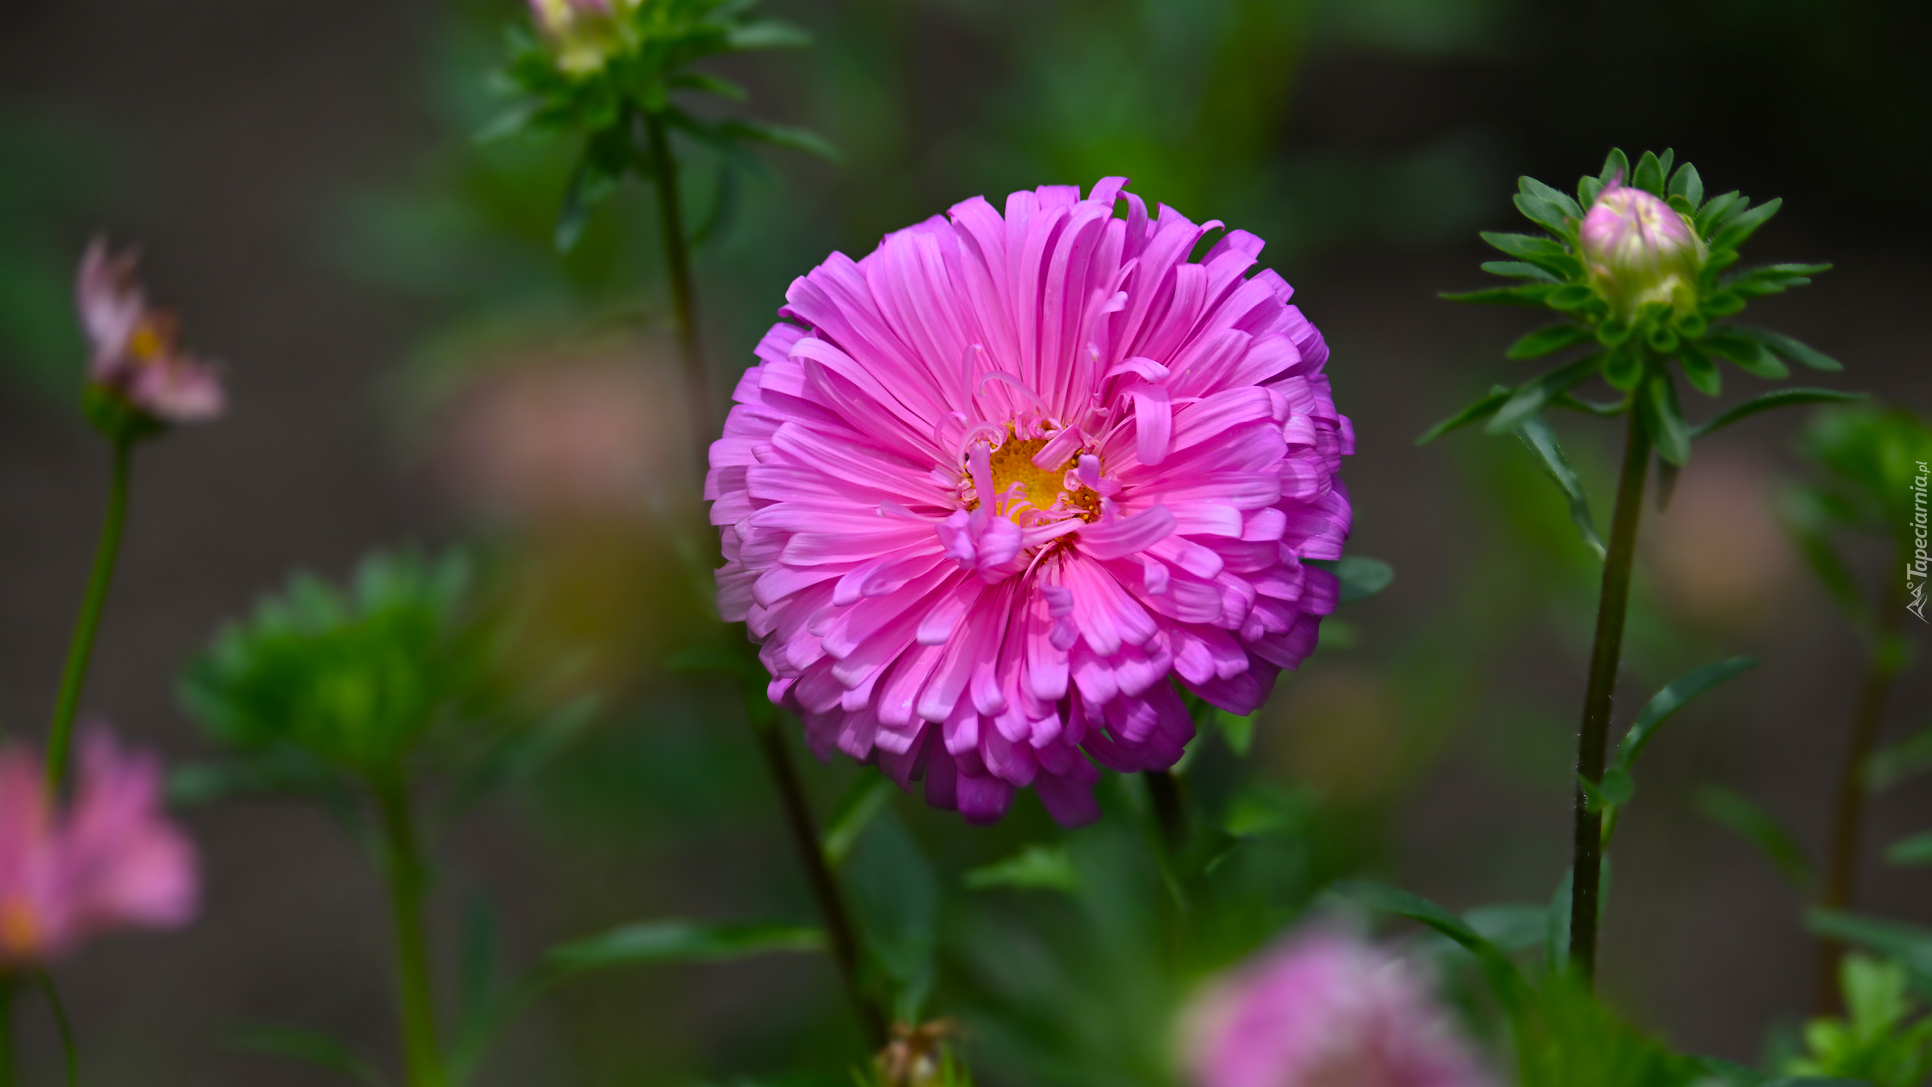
[[1640, 250], [997, 493], [136, 350], [110, 861], [1324, 1009]]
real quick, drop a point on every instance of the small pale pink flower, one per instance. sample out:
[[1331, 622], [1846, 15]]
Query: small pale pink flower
[[998, 493], [136, 353], [110, 861], [1640, 250], [1324, 1009]]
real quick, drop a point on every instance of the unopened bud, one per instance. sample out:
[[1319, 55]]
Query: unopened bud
[[584, 34], [1640, 250]]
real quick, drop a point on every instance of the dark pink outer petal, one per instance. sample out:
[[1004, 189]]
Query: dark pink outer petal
[[983, 654]]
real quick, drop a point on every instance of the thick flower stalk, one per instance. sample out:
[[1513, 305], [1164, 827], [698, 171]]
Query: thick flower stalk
[[996, 493], [1324, 1009], [110, 860]]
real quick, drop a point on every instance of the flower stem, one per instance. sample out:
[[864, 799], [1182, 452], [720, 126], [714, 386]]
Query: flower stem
[[1605, 654], [8, 1078], [1848, 813], [62, 1024], [684, 299], [81, 649], [1165, 792], [839, 930], [407, 879]]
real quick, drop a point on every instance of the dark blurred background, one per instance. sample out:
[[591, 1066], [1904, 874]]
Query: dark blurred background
[[411, 361]]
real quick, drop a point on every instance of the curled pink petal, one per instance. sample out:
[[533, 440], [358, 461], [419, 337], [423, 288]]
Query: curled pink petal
[[1091, 465], [135, 351]]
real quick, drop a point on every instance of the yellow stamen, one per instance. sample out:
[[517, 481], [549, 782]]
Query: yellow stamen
[[1013, 463], [19, 928]]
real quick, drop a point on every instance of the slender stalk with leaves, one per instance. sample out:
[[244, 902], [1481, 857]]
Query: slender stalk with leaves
[[1638, 269]]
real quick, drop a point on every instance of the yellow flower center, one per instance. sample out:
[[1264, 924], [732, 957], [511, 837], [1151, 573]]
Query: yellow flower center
[[19, 928], [1013, 463]]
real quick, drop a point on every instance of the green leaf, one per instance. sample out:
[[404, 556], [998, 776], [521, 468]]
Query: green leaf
[[311, 1047], [1751, 356], [1742, 816], [1511, 927], [1664, 419], [1910, 945], [1529, 294], [1524, 246], [1544, 213], [1889, 766], [1718, 209], [1536, 434], [1776, 398], [1504, 979], [1531, 397], [1623, 368], [1529, 186], [1616, 168], [708, 84], [854, 811], [1360, 578], [1035, 868], [1517, 268], [1614, 791], [1914, 850], [1744, 224], [648, 943], [1649, 174], [1675, 696], [1497, 397], [895, 901], [1784, 345], [1699, 370], [766, 34], [796, 139], [1688, 184], [1544, 341]]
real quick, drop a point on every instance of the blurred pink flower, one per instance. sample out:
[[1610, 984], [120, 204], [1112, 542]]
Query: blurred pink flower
[[1640, 250], [112, 860], [996, 493], [136, 350], [1324, 1009]]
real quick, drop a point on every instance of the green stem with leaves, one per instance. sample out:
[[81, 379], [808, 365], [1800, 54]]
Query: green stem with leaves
[[684, 299], [1599, 694], [81, 649], [408, 879], [1848, 809]]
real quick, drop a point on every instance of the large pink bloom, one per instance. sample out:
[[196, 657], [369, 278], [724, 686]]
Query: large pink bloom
[[111, 860], [1325, 1010], [993, 490]]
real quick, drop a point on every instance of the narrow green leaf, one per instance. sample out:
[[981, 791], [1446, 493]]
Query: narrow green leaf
[[1750, 356], [1544, 213], [1504, 979], [895, 897], [1537, 434], [1909, 945], [1531, 397], [1914, 850], [1517, 268], [668, 941], [1587, 189], [1481, 408], [1529, 186], [1547, 340], [709, 84], [1776, 398], [1524, 246], [1649, 174], [1699, 369], [1784, 345], [1035, 868], [797, 139], [1742, 225], [1360, 578], [311, 1047], [767, 34], [1614, 791], [1529, 294], [1891, 765], [1664, 418], [1675, 696], [1743, 817], [1510, 926], [854, 811], [1688, 184]]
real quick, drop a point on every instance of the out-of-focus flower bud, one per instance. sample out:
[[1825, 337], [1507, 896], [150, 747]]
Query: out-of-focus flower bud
[[1640, 250], [917, 1056], [584, 34], [138, 371]]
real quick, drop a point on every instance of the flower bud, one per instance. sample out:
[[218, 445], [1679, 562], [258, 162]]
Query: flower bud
[[1640, 250], [138, 372], [584, 34]]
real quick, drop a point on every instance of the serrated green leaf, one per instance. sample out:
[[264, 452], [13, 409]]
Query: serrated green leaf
[[1699, 369], [1524, 246], [1649, 174], [1675, 696], [1544, 213], [1687, 183], [1497, 397], [1531, 396], [1717, 209], [1776, 398], [1664, 419], [1743, 817], [1750, 356], [1541, 440], [1548, 340], [1784, 345], [1914, 850], [1529, 186], [1517, 268], [1742, 225], [856, 807], [1035, 868], [1360, 578]]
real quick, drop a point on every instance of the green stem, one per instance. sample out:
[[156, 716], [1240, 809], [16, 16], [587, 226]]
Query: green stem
[[684, 298], [62, 1024], [1605, 654], [1171, 901], [839, 930], [407, 881], [8, 1078], [1848, 812], [1165, 792], [81, 649]]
